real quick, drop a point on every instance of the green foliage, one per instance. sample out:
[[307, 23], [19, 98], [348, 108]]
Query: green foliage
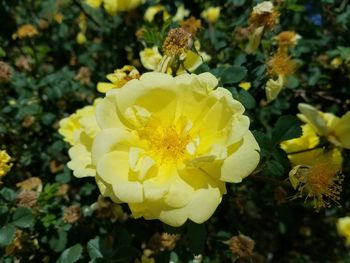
[[48, 83]]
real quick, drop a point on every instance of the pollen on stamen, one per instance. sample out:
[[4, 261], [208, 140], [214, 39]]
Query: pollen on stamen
[[177, 42], [322, 183]]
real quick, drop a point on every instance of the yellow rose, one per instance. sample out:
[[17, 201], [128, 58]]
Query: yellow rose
[[5, 166], [81, 38], [181, 13], [150, 58], [335, 129], [168, 145], [211, 14], [343, 227], [79, 129], [112, 7], [153, 10], [118, 78]]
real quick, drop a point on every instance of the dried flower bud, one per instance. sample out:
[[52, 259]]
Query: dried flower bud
[[177, 42], [83, 76], [5, 72], [242, 246], [27, 198], [72, 214], [191, 25]]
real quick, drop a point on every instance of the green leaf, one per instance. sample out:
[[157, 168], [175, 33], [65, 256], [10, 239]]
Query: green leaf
[[125, 254], [246, 99], [233, 74], [23, 217], [7, 233], [287, 127], [264, 142], [196, 234], [8, 194], [273, 169], [71, 255], [94, 249], [58, 243]]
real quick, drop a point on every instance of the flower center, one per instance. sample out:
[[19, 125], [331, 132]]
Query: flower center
[[167, 144]]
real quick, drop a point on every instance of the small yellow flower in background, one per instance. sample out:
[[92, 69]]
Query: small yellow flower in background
[[81, 38], [5, 164], [25, 31], [245, 85], [112, 7], [150, 58], [118, 78], [273, 88], [264, 7], [153, 10], [211, 14], [343, 228], [94, 3], [79, 129], [335, 129], [336, 62], [58, 18], [161, 148], [181, 13]]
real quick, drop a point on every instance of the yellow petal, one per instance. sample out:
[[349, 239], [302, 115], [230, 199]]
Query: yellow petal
[[242, 161]]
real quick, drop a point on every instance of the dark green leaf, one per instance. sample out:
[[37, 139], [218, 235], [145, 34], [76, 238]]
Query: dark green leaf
[[287, 127], [233, 74], [7, 233], [71, 255], [23, 217], [196, 234], [93, 248]]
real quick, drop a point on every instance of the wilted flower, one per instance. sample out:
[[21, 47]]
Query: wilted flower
[[242, 246], [105, 208], [164, 241], [287, 38], [5, 164], [72, 214], [321, 182], [25, 31], [32, 183], [281, 64], [343, 227], [177, 42], [27, 198], [335, 129], [211, 14], [83, 76], [273, 88], [118, 78], [264, 15], [23, 63], [163, 150], [5, 72], [191, 25]]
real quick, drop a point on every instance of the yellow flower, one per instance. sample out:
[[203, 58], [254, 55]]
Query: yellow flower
[[94, 3], [163, 149], [150, 58], [335, 129], [58, 17], [273, 88], [118, 78], [5, 166], [315, 172], [211, 14], [79, 129], [153, 10], [112, 7], [245, 85], [81, 38], [343, 227], [181, 13], [25, 31], [322, 182]]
